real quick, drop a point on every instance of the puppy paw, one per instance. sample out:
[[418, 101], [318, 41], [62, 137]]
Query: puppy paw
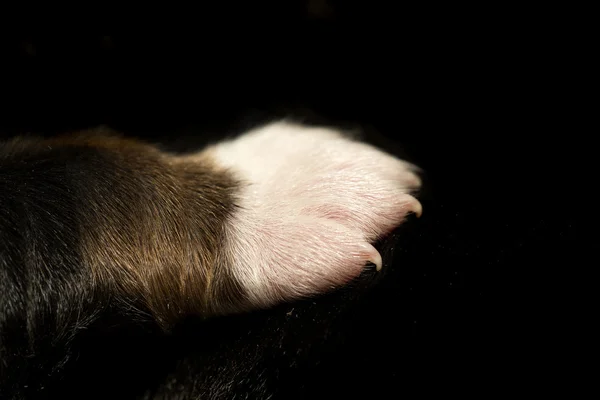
[[311, 203]]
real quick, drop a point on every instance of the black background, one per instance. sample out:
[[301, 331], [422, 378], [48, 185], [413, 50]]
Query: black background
[[471, 98]]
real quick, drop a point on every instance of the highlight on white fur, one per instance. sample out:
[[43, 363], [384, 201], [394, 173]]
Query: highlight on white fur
[[312, 203]]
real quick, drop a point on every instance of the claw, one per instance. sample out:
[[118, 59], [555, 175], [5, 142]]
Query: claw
[[376, 259], [371, 255], [417, 208]]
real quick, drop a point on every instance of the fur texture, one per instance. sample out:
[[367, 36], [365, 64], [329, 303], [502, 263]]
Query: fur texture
[[94, 227], [311, 203]]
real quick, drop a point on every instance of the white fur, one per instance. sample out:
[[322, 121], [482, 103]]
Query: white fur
[[312, 202]]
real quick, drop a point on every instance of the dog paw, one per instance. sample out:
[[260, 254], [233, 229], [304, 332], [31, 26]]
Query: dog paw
[[311, 204]]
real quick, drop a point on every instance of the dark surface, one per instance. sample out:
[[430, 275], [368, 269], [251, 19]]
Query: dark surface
[[457, 309]]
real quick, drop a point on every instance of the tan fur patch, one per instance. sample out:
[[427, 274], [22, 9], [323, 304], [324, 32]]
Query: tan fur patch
[[152, 226]]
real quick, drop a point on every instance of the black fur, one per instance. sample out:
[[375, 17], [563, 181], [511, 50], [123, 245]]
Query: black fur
[[48, 297], [483, 101]]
